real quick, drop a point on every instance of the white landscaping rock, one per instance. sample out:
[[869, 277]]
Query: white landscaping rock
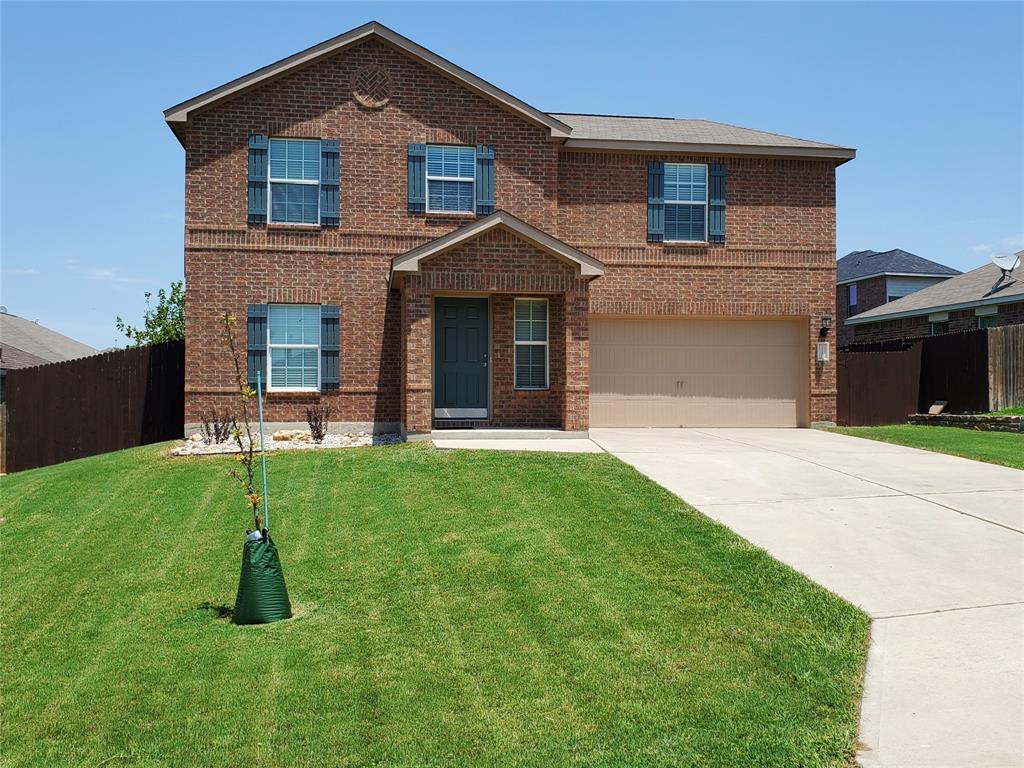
[[296, 439]]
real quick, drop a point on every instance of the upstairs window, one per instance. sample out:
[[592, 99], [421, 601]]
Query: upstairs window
[[451, 174], [294, 346], [686, 202], [851, 299], [531, 344], [295, 181]]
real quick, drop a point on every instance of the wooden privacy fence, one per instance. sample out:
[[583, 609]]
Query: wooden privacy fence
[[1005, 367], [974, 372], [954, 368], [92, 405], [878, 387]]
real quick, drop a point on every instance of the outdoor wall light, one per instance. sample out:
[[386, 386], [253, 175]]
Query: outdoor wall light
[[826, 323]]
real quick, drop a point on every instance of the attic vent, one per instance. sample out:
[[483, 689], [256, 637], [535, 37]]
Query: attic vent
[[371, 86]]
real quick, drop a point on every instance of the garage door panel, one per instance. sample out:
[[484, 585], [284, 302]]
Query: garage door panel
[[707, 372]]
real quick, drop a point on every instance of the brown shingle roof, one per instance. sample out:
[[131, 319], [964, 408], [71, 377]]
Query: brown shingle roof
[[690, 135], [25, 343]]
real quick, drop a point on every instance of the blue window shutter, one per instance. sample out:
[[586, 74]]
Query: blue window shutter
[[257, 179], [484, 179], [417, 178], [716, 203], [330, 344], [256, 343], [655, 201], [329, 179]]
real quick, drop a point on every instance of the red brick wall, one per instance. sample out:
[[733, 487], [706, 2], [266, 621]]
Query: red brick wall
[[871, 293], [778, 259], [227, 280]]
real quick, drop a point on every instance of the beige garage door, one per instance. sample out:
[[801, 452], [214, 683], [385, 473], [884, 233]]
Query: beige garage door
[[697, 373]]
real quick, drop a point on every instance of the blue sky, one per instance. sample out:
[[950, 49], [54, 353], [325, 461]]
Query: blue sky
[[92, 179]]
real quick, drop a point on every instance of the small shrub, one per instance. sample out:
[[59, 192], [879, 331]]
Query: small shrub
[[319, 418], [217, 427]]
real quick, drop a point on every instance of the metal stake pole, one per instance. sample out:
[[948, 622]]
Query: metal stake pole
[[263, 452]]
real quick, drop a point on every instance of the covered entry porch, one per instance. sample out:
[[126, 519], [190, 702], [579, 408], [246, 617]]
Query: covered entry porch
[[495, 330]]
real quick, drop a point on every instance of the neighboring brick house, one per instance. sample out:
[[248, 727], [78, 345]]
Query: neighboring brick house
[[869, 279], [435, 252], [981, 298]]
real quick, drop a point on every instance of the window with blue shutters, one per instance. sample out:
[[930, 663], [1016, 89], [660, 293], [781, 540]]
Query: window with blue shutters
[[686, 202], [451, 176], [295, 181], [293, 347], [531, 343]]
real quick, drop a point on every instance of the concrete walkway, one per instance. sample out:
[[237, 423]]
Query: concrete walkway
[[931, 546]]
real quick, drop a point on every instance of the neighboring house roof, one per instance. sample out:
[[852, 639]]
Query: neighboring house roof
[[860, 265], [661, 133], [971, 289], [24, 343], [657, 134], [12, 357], [410, 260]]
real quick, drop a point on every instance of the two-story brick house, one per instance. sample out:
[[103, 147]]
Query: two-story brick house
[[418, 248]]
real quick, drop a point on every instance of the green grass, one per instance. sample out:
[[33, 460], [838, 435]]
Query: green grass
[[1004, 448], [453, 609], [1013, 410]]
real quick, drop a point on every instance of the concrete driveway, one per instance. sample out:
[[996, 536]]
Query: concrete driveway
[[931, 546]]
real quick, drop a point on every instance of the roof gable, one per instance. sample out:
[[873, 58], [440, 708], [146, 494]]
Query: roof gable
[[410, 260], [859, 265], [177, 116]]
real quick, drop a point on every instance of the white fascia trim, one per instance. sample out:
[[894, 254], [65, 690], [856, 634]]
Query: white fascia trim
[[843, 154], [1017, 298], [179, 112], [893, 274]]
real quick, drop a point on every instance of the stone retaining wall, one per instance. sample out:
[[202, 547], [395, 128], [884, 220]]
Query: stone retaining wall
[[970, 421]]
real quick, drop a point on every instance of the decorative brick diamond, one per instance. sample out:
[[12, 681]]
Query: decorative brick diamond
[[371, 86]]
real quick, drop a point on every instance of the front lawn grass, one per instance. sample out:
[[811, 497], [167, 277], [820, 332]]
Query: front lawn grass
[[453, 609], [1006, 448], [1013, 410]]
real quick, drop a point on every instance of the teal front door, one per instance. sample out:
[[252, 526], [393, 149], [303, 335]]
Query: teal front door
[[460, 358]]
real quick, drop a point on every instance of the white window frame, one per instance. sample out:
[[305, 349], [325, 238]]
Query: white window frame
[[271, 181], [546, 344], [430, 178], [272, 346], [983, 318], [692, 202]]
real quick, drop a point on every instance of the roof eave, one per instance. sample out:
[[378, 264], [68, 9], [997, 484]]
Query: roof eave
[[897, 274], [1011, 299], [839, 154], [178, 114]]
